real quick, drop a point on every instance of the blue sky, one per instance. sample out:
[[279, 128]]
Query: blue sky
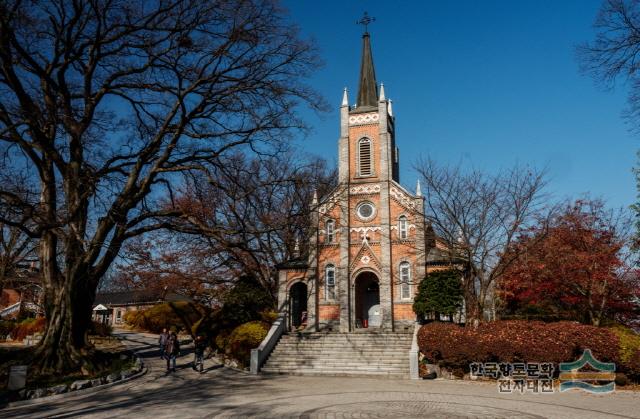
[[489, 83]]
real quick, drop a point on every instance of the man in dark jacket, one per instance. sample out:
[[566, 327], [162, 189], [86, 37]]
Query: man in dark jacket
[[200, 344], [172, 350]]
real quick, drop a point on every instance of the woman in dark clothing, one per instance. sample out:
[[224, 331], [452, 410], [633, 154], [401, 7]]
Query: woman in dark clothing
[[172, 351]]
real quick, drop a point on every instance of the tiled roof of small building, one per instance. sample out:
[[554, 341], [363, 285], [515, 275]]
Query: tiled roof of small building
[[136, 297], [296, 263]]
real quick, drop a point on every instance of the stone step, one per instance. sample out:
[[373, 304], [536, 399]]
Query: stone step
[[304, 355], [341, 354], [400, 360], [345, 351], [349, 337], [343, 373], [367, 341], [350, 349], [337, 366], [365, 355]]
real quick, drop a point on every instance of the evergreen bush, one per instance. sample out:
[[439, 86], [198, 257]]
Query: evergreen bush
[[440, 292], [244, 338]]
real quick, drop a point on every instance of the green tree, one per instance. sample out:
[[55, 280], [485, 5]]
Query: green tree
[[439, 293]]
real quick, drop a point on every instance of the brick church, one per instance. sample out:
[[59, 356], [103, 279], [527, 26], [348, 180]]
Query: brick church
[[372, 245]]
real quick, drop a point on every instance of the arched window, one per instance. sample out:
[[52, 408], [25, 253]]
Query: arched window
[[403, 227], [330, 231], [330, 282], [405, 281], [365, 160]]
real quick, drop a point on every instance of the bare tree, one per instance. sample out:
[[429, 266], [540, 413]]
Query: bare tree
[[105, 103], [17, 254], [242, 219], [478, 216], [614, 54]]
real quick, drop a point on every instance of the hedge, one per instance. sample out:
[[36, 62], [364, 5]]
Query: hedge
[[455, 347], [244, 338], [175, 315], [28, 327]]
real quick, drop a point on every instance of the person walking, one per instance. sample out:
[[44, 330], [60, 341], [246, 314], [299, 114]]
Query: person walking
[[162, 342], [172, 350], [200, 345]]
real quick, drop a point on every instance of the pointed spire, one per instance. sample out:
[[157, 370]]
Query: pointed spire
[[390, 108], [345, 98], [368, 89], [314, 201], [418, 188], [382, 97]]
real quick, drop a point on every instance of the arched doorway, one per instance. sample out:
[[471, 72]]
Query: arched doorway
[[297, 304], [367, 296]]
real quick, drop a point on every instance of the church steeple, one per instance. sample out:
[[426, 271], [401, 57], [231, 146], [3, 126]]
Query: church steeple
[[367, 89]]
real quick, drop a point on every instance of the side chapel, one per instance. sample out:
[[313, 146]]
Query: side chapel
[[372, 244]]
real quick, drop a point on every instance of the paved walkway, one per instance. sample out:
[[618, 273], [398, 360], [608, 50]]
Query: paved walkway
[[220, 392]]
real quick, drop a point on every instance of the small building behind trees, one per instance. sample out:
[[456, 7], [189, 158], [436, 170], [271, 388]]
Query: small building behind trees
[[110, 307]]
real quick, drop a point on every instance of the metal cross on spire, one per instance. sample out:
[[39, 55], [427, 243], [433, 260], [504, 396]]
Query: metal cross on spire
[[365, 21]]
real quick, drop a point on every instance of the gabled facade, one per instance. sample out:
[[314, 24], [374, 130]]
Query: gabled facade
[[371, 246]]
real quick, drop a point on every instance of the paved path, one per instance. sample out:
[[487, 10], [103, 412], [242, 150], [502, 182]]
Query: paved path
[[221, 392]]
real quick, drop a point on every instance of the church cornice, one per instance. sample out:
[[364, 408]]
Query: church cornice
[[365, 189], [369, 118]]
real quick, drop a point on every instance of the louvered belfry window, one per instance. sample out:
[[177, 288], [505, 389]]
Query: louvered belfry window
[[364, 157]]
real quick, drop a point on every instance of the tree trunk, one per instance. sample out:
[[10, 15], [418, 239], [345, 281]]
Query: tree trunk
[[471, 302], [64, 347]]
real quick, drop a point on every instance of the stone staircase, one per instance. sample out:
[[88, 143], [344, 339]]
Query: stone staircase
[[341, 354]]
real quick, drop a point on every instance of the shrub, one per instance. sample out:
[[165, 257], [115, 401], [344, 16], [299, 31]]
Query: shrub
[[222, 340], [173, 315], [244, 303], [269, 316], [28, 327], [100, 329], [244, 338], [6, 327], [440, 292], [455, 347], [132, 318], [629, 351]]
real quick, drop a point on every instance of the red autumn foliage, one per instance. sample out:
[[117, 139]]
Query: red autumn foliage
[[455, 347], [572, 268], [28, 327]]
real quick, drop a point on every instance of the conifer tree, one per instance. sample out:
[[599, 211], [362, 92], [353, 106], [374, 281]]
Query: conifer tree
[[439, 293]]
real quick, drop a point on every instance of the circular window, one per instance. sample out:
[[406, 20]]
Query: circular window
[[366, 210]]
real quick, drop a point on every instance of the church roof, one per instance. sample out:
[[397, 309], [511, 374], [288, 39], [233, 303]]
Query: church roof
[[437, 256], [367, 88], [295, 263]]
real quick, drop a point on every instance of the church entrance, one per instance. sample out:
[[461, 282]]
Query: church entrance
[[298, 305], [367, 296]]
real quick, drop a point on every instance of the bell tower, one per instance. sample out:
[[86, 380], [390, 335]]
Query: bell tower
[[368, 254], [367, 147]]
